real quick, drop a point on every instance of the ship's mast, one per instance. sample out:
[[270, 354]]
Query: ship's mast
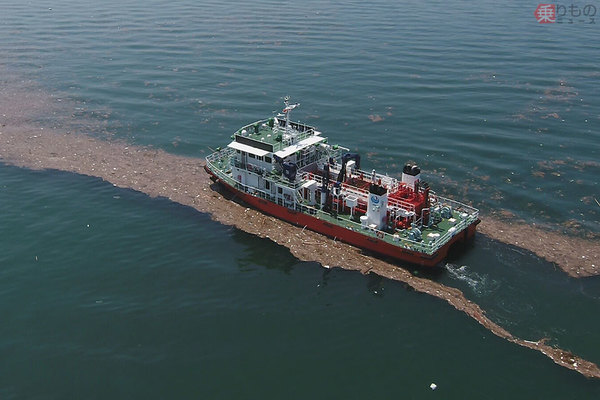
[[287, 111]]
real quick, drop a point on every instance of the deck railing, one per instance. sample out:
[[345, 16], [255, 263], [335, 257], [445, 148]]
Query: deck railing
[[216, 161], [300, 131]]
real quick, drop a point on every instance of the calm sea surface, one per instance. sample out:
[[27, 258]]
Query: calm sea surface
[[106, 293]]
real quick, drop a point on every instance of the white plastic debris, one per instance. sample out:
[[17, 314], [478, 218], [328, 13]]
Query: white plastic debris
[[433, 386]]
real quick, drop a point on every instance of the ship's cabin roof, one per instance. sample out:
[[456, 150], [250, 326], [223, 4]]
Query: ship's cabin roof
[[291, 149], [272, 136], [248, 149]]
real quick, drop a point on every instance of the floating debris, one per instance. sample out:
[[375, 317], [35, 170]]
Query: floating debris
[[182, 180]]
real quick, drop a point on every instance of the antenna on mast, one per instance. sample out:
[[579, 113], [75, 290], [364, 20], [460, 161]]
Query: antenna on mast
[[287, 110]]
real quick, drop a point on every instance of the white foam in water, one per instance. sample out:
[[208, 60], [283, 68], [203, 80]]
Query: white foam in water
[[479, 283]]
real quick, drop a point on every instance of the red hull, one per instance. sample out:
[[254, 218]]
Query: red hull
[[351, 237]]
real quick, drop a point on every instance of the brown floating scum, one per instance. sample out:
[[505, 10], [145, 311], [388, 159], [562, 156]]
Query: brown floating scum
[[183, 180]]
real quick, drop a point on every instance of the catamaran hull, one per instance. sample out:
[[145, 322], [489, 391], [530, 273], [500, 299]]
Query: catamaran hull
[[355, 238]]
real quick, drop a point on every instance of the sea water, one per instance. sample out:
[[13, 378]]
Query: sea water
[[107, 293]]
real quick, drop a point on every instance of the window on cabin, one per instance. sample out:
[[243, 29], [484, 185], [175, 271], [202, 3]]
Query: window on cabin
[[267, 185], [251, 155], [268, 159], [279, 190], [259, 158]]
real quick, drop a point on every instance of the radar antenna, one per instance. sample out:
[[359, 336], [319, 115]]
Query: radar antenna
[[287, 111]]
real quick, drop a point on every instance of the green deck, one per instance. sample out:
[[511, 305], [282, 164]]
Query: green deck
[[272, 136], [220, 163], [426, 245]]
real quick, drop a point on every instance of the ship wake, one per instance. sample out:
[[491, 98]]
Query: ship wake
[[479, 283]]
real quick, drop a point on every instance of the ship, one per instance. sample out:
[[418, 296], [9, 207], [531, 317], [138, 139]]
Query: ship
[[289, 170]]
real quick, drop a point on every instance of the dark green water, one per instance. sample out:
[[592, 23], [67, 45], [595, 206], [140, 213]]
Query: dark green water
[[106, 293]]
